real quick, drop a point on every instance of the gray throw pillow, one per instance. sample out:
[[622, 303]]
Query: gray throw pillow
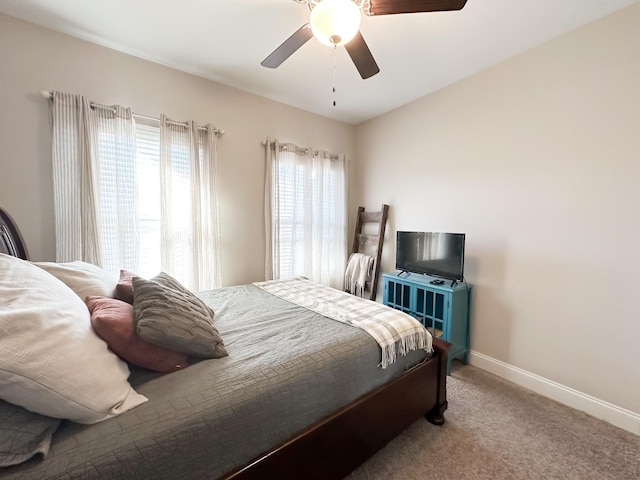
[[23, 434], [169, 315]]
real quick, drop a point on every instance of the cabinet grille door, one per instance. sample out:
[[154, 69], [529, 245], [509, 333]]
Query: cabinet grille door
[[399, 296], [430, 307]]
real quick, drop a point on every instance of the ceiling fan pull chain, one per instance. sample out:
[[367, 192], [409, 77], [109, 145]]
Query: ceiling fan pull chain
[[335, 49]]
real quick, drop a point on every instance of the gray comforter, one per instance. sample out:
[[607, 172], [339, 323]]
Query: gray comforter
[[287, 368]]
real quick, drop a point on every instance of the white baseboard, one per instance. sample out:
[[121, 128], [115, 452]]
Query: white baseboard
[[595, 407]]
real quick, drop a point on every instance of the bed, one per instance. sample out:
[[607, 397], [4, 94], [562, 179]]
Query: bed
[[299, 395]]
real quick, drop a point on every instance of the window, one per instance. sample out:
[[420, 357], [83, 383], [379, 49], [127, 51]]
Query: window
[[148, 204], [129, 185], [307, 208], [134, 196]]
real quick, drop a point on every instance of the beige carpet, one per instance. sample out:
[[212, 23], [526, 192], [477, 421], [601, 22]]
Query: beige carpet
[[497, 430]]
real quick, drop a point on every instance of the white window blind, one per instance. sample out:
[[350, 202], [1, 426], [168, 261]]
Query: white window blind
[[148, 182], [130, 201]]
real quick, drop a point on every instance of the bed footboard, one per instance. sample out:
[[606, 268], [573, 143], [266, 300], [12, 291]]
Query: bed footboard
[[335, 446]]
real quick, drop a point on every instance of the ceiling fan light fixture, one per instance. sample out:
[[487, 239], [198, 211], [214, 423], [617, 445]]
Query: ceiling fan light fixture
[[335, 22]]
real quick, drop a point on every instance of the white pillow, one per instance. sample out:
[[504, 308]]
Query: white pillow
[[83, 278], [51, 360]]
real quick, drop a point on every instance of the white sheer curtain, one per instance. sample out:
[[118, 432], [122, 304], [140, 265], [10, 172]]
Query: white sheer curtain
[[189, 206], [135, 197], [305, 214], [82, 136]]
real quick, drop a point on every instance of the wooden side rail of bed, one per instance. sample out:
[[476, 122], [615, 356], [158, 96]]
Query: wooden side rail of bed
[[335, 446]]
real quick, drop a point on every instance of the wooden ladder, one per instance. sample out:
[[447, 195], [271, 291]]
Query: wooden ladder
[[371, 243]]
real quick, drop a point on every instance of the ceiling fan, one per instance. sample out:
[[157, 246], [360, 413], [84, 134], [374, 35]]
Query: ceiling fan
[[337, 22]]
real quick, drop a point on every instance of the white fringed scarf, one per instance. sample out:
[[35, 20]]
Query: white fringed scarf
[[359, 270]]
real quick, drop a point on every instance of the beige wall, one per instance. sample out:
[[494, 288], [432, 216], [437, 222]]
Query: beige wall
[[34, 58], [537, 160]]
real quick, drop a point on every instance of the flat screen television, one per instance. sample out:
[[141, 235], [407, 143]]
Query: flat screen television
[[431, 253]]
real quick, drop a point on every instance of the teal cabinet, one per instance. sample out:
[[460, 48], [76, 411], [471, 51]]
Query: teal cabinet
[[442, 309]]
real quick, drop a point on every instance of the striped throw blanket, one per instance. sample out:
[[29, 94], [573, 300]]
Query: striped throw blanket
[[396, 332]]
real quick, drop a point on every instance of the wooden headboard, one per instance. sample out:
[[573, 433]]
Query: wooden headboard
[[10, 239]]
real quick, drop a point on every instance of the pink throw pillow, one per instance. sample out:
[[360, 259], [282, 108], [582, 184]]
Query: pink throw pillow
[[112, 320], [124, 287]]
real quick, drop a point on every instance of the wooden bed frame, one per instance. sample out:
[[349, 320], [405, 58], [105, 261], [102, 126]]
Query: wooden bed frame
[[10, 239], [335, 446]]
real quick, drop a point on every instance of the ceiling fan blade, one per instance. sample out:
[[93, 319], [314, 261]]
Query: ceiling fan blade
[[288, 47], [359, 52], [389, 7]]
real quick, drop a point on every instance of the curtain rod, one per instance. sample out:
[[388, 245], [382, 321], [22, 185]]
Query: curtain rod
[[48, 95], [284, 146]]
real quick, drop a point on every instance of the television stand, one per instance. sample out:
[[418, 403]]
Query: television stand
[[443, 309]]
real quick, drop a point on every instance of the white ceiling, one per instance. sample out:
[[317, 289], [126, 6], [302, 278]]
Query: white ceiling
[[225, 41]]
